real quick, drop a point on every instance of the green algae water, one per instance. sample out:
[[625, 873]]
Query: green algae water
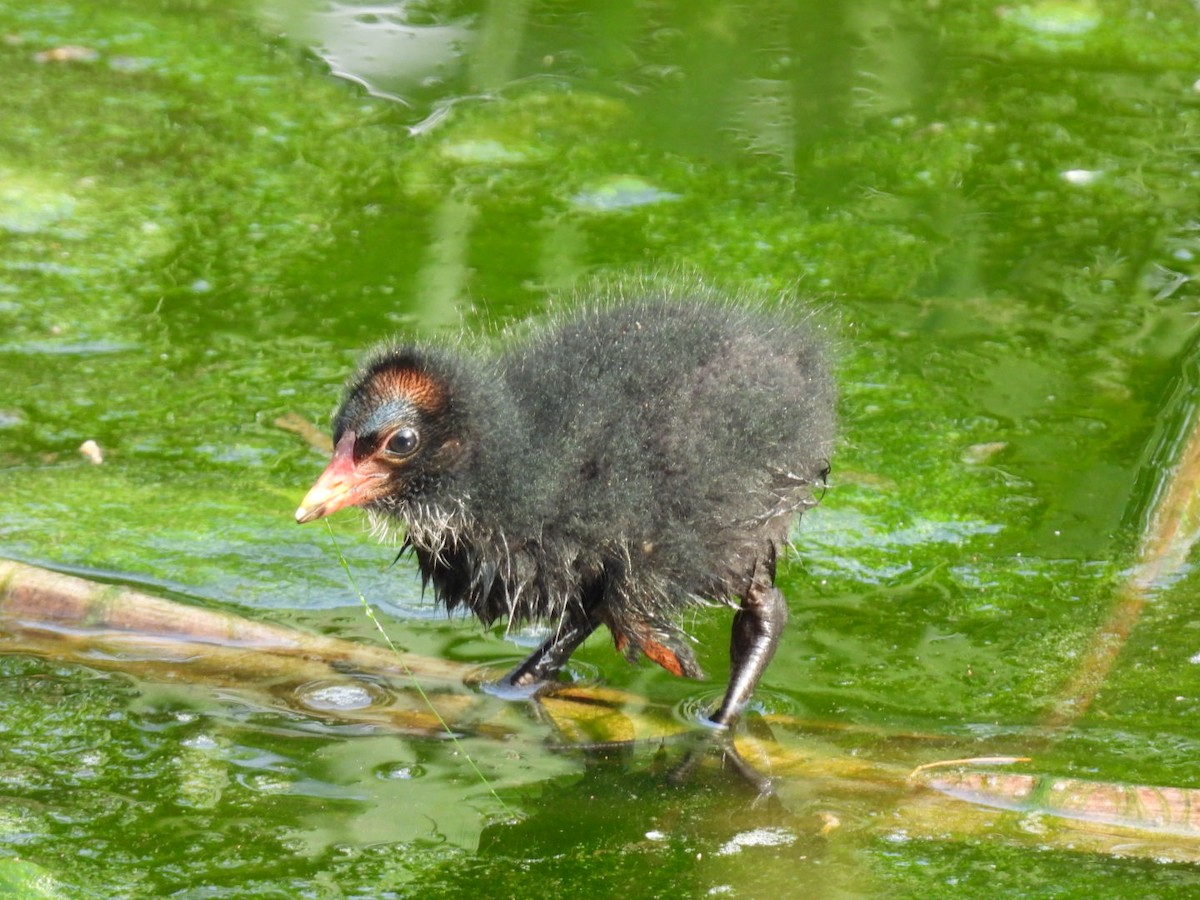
[[207, 211]]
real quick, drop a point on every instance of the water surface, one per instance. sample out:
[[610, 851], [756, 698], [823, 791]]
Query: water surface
[[207, 212]]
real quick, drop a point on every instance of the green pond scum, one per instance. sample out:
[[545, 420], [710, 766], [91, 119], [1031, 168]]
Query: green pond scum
[[209, 208]]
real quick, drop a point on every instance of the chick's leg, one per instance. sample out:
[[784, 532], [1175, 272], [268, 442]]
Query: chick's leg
[[757, 626], [544, 664]]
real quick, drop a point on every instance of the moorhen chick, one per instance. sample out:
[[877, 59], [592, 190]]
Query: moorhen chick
[[617, 467]]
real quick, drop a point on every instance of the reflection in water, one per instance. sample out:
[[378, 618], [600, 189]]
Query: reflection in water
[[399, 54], [772, 77], [501, 42], [442, 279], [384, 47], [237, 225]]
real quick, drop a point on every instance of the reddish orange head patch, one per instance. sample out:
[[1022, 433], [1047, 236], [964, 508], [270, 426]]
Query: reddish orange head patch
[[426, 392]]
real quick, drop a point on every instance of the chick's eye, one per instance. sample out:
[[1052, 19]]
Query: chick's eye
[[402, 443]]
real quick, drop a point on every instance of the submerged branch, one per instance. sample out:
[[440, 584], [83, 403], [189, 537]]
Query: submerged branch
[[1173, 530], [71, 620], [308, 432], [1043, 812]]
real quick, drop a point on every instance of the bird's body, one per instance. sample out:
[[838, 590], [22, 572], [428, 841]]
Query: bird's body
[[610, 469]]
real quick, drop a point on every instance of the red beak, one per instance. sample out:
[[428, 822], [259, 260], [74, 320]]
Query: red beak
[[341, 484]]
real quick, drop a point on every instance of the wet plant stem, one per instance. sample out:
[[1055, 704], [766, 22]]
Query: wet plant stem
[[370, 611]]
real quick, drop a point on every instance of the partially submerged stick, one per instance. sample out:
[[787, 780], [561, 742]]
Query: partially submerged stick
[[37, 601], [1172, 532], [66, 618], [1043, 812], [109, 627]]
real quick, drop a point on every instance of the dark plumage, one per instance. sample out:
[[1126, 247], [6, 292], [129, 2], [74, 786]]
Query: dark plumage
[[612, 468]]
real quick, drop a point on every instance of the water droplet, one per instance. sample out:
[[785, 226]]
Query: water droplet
[[332, 696], [757, 837], [1081, 176], [400, 771], [1055, 18], [619, 193]]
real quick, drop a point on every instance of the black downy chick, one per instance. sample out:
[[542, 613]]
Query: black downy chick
[[614, 468]]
